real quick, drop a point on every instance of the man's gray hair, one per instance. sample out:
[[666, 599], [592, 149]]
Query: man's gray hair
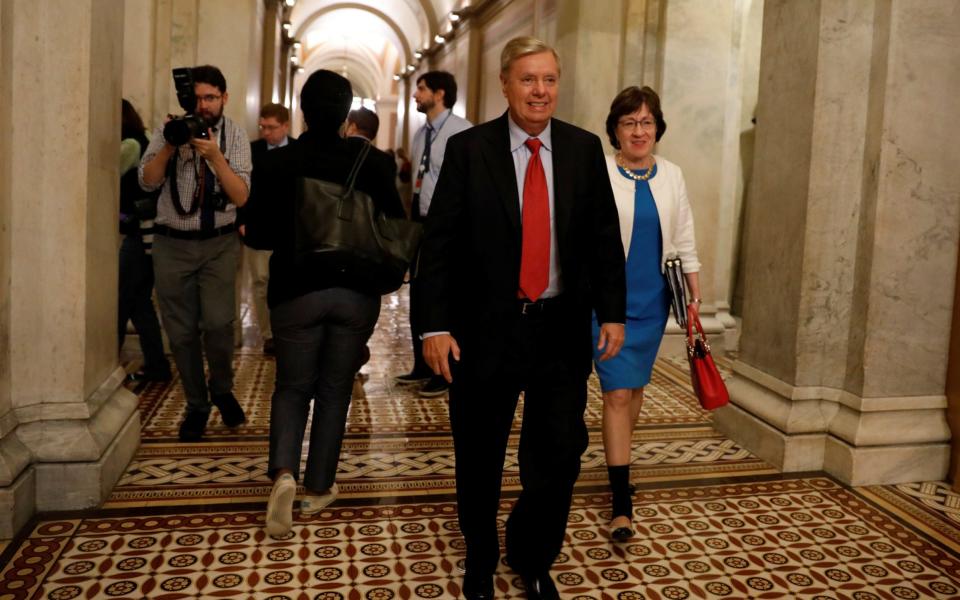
[[522, 46]]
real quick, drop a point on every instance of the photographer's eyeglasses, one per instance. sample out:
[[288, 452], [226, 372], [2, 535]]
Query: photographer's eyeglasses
[[208, 99], [630, 125]]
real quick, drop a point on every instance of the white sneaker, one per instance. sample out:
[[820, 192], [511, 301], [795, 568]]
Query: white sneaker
[[280, 506], [312, 503]]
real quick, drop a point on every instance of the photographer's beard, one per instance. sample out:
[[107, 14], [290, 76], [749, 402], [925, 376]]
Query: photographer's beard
[[210, 115]]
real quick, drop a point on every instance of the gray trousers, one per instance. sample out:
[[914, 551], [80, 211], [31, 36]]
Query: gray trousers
[[319, 340], [195, 282]]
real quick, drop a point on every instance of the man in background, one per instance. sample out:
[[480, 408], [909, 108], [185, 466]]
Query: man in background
[[274, 128], [435, 96], [364, 123]]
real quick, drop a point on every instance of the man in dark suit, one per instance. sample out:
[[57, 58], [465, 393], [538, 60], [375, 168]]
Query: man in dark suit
[[522, 243], [274, 128]]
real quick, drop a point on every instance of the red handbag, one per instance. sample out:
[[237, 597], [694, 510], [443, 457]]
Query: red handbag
[[707, 383]]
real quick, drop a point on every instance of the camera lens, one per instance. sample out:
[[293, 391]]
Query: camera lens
[[177, 132]]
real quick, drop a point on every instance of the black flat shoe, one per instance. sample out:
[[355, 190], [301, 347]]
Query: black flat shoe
[[540, 587], [230, 409], [158, 376], [193, 426], [621, 534], [478, 588]]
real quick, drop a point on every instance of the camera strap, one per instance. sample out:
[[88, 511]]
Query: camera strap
[[198, 188]]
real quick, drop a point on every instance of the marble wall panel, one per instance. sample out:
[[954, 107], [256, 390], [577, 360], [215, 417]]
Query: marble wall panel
[[589, 43], [835, 189], [6, 210], [100, 236], [775, 219], [230, 36], [918, 204], [50, 214], [139, 30], [514, 19], [697, 61]]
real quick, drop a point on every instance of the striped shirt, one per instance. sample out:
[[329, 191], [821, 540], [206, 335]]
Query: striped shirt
[[237, 153]]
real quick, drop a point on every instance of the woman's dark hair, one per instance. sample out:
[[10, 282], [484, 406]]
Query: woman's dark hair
[[441, 80], [630, 101], [131, 125], [325, 100]]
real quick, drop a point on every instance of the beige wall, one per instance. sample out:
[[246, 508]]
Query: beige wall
[[163, 34]]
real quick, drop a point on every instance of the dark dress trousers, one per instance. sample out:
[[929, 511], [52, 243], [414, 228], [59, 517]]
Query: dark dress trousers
[[469, 278]]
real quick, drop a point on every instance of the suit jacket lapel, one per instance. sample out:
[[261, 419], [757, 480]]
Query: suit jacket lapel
[[500, 163], [564, 171]]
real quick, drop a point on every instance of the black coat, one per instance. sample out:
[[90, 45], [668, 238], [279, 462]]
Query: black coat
[[270, 211], [470, 262]]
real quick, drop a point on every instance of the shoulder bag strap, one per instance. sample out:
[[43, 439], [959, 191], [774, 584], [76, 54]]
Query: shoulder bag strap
[[342, 209]]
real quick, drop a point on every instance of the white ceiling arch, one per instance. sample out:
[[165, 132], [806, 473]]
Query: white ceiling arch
[[408, 19]]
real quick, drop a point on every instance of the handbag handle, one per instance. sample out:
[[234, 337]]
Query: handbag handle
[[695, 328], [342, 212]]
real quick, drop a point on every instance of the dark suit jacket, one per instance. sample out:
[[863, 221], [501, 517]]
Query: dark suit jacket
[[272, 212], [258, 149], [470, 262]]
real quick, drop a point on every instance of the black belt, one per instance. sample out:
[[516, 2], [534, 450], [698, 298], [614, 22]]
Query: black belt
[[195, 234], [542, 306]]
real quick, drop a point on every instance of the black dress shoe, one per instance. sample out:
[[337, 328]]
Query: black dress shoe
[[540, 587], [143, 375], [478, 588], [621, 534], [437, 386], [230, 409], [269, 348], [191, 430]]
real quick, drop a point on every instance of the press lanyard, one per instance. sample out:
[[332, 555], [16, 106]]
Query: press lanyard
[[425, 157]]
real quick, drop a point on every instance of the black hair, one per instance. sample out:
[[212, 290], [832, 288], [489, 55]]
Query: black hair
[[131, 125], [325, 100], [210, 75], [367, 121], [441, 80]]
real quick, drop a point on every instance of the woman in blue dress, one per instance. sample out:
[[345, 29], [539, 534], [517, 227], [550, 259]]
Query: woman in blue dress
[[655, 223]]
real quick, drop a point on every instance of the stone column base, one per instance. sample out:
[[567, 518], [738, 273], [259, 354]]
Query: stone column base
[[67, 463], [860, 441], [76, 485], [17, 502]]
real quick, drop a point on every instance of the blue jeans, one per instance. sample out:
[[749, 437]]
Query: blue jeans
[[319, 340]]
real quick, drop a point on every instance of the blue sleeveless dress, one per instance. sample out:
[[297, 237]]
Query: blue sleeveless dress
[[648, 300]]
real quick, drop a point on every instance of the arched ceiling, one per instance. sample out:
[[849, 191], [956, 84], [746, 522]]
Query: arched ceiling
[[370, 39]]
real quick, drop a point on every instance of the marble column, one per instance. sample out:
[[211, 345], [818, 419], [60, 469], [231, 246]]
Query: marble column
[[703, 66], [590, 44], [852, 236], [67, 426]]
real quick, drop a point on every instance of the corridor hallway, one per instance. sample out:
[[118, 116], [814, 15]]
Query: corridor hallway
[[713, 521]]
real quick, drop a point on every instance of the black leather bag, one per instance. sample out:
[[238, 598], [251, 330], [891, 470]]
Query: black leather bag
[[673, 272], [341, 230]]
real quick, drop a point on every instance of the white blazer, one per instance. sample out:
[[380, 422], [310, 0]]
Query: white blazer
[[676, 219]]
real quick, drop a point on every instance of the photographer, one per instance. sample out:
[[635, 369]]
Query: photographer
[[196, 249]]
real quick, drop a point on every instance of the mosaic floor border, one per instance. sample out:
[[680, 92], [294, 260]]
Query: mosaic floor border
[[787, 537]]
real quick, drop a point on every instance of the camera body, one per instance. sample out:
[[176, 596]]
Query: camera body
[[180, 130]]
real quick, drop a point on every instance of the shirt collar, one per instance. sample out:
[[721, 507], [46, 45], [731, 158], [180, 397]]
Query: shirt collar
[[518, 136], [282, 143], [440, 120]]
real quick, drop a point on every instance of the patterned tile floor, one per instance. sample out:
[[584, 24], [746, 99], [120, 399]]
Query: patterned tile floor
[[713, 521]]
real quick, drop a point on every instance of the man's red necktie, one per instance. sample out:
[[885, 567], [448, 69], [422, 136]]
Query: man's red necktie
[[535, 253]]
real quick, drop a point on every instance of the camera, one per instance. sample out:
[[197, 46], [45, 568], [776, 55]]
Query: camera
[[180, 130]]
